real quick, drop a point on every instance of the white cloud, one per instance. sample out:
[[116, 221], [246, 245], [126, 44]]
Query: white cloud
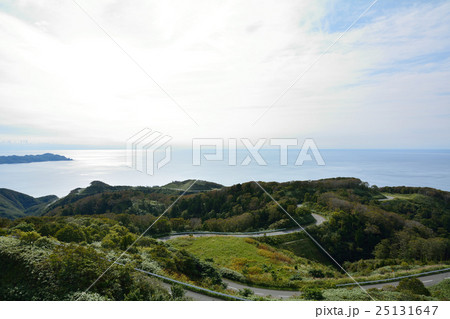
[[224, 62]]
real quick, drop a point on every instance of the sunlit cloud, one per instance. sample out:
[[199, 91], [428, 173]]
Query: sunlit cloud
[[384, 84]]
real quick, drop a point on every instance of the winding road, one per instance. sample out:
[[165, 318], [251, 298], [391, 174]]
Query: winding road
[[319, 220], [428, 280], [235, 285], [262, 291], [388, 197]]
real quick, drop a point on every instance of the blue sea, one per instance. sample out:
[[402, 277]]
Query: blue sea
[[429, 168]]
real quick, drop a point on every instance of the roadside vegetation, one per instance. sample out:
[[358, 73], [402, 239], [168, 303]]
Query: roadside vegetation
[[257, 263], [59, 253]]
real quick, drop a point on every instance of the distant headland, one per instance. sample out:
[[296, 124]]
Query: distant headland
[[47, 157]]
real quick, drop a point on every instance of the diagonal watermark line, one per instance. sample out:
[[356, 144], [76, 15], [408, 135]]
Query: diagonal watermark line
[[315, 241], [133, 60], [137, 239], [314, 62]]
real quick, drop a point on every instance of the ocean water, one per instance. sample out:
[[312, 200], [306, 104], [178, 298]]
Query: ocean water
[[377, 167]]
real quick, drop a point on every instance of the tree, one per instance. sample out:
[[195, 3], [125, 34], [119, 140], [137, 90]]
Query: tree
[[25, 227], [71, 234]]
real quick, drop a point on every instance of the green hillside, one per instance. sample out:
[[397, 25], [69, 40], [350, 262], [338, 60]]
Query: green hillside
[[15, 205]]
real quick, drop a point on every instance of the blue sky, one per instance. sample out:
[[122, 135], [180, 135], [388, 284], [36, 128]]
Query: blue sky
[[384, 84]]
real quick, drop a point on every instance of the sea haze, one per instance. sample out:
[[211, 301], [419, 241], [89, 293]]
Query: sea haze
[[429, 168]]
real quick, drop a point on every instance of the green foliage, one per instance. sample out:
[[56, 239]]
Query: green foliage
[[430, 207], [295, 277], [410, 243], [231, 274], [191, 266], [118, 237], [255, 262], [177, 291], [405, 234], [29, 237], [25, 227], [441, 291], [413, 286], [145, 288], [246, 292], [388, 293], [312, 294], [45, 242], [316, 273], [15, 205], [71, 233]]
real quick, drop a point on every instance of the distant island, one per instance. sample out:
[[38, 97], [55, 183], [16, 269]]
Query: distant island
[[47, 157]]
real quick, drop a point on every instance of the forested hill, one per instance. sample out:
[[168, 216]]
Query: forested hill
[[362, 221], [240, 207], [14, 204]]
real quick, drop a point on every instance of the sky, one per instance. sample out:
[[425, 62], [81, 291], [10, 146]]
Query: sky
[[93, 73]]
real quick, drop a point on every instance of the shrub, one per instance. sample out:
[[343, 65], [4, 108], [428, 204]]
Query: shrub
[[45, 242], [412, 285], [71, 234], [29, 237], [177, 291], [146, 242], [441, 290], [25, 227], [246, 292], [150, 265], [312, 294], [231, 274], [296, 277], [316, 273]]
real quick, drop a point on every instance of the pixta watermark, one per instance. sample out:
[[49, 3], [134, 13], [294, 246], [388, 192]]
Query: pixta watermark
[[212, 149], [143, 146]]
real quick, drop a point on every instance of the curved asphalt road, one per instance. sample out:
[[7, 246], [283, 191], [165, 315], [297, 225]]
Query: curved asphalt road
[[387, 198], [237, 286], [428, 280], [319, 220], [262, 291]]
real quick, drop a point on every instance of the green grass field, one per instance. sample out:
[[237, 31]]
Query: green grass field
[[404, 196], [260, 263]]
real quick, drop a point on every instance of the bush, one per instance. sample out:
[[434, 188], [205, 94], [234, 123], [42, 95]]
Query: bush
[[45, 242], [177, 291], [71, 234], [246, 292], [231, 274], [412, 285], [25, 227], [146, 242], [29, 237], [312, 294], [316, 273], [441, 290], [296, 277]]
